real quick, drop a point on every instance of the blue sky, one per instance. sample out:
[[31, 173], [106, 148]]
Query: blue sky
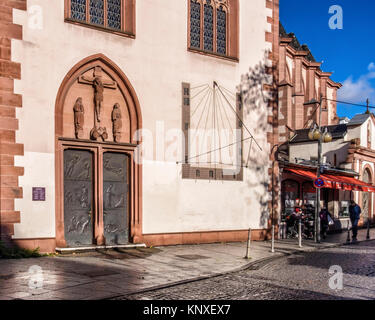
[[348, 53]]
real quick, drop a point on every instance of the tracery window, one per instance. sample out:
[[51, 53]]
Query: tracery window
[[221, 34], [97, 12], [208, 27], [114, 13], [78, 10], [195, 24], [111, 15], [211, 22]]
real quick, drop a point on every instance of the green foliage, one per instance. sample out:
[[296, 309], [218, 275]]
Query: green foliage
[[17, 253]]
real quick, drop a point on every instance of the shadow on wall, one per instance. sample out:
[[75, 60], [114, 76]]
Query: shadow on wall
[[256, 101], [341, 154]]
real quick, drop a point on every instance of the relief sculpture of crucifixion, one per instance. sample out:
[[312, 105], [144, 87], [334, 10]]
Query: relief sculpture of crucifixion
[[98, 85]]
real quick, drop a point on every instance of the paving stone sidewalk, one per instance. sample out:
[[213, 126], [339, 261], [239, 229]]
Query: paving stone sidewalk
[[109, 273]]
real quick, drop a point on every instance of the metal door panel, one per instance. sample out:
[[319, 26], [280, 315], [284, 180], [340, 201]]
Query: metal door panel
[[78, 197], [115, 198]]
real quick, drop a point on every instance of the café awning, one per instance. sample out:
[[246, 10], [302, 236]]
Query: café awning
[[335, 181]]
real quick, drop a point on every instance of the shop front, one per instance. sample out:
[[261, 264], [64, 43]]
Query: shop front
[[297, 190]]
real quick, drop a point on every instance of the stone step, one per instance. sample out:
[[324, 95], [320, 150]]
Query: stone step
[[94, 248]]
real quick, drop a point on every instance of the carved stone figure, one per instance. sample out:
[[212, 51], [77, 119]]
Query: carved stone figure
[[79, 118], [99, 133], [99, 85], [98, 96], [116, 122]]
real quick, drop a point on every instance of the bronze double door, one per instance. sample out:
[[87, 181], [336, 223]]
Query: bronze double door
[[95, 199]]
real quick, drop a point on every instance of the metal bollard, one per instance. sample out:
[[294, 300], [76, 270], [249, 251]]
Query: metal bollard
[[348, 238], [368, 229], [273, 240], [248, 246], [300, 233]]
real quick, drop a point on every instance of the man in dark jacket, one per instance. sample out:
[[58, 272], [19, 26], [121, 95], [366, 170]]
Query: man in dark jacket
[[324, 221], [355, 215]]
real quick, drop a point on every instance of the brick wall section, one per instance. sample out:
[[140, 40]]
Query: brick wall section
[[273, 135], [9, 101], [297, 115]]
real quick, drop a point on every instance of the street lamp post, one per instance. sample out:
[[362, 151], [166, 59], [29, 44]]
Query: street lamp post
[[317, 210], [316, 134]]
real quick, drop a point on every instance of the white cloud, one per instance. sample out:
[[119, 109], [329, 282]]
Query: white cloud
[[358, 90]]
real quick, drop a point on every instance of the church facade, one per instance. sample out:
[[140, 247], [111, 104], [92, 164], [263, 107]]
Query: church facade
[[125, 121], [302, 79]]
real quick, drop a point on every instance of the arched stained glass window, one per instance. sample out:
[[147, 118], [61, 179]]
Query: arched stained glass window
[[195, 24], [210, 21], [114, 14], [97, 12], [221, 33], [78, 10], [208, 26]]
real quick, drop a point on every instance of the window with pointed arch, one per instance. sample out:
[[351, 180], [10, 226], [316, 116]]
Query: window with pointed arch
[[117, 16], [213, 27]]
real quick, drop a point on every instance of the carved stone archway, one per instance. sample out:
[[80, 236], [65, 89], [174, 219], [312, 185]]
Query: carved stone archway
[[97, 111]]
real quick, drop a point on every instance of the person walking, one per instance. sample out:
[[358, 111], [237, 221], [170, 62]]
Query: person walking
[[355, 215], [324, 221]]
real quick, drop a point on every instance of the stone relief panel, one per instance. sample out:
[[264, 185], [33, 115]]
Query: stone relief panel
[[95, 109]]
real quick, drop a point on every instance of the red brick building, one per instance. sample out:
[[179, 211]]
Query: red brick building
[[300, 80]]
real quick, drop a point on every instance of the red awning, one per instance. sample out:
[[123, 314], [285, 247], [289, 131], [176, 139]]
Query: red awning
[[336, 181]]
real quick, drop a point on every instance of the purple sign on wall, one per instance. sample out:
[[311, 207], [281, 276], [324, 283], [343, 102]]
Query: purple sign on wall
[[39, 194]]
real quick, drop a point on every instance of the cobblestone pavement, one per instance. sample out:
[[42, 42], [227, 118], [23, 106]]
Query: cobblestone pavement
[[105, 274], [303, 276]]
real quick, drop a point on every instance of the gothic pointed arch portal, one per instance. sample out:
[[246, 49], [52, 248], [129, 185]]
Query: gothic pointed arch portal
[[98, 180]]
